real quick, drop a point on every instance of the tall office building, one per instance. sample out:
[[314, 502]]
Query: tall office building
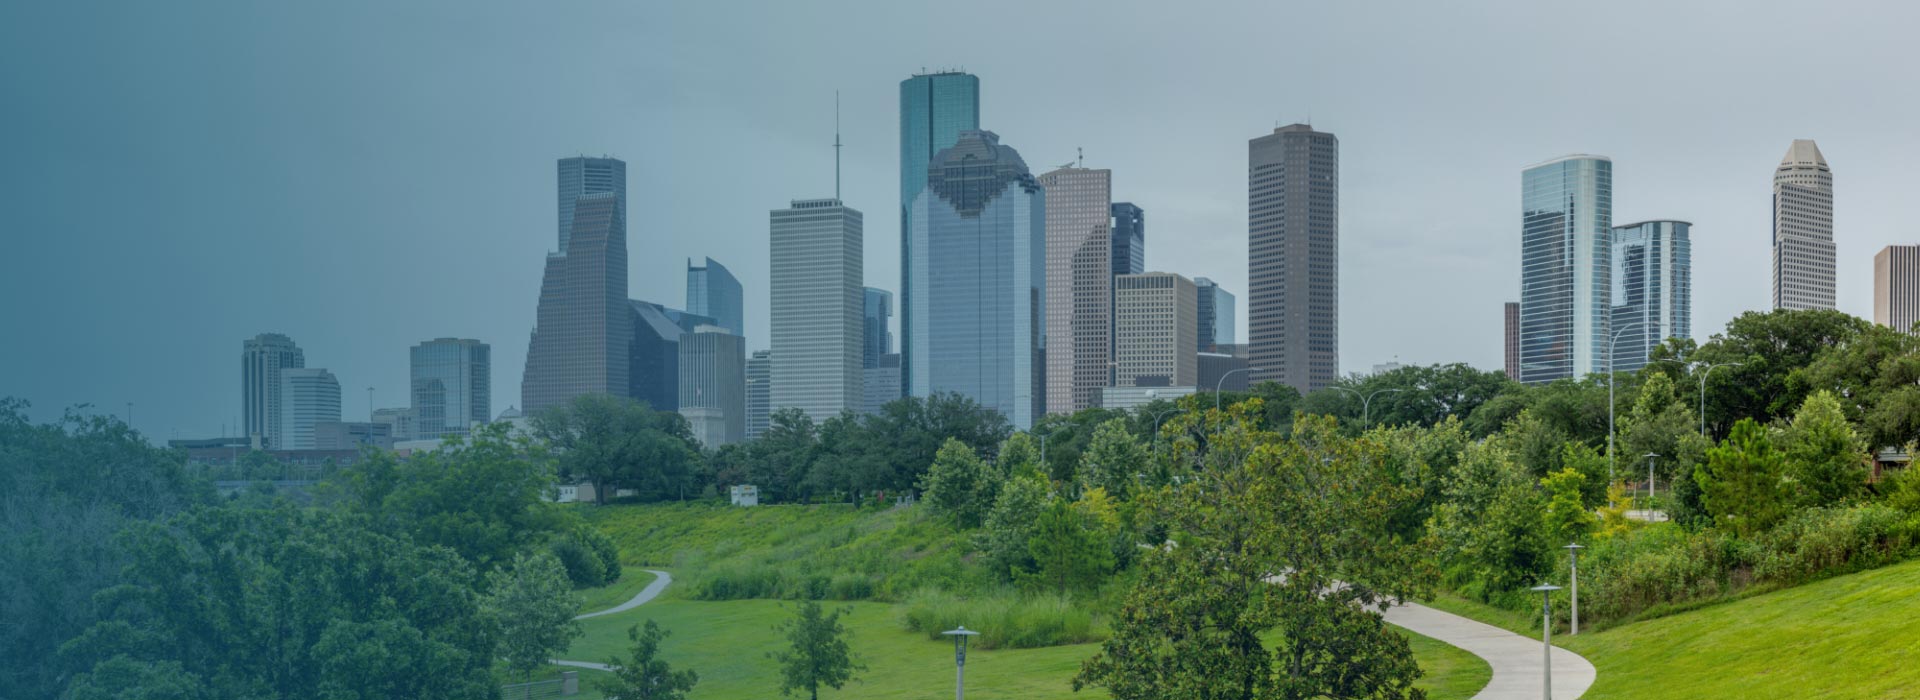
[[1652, 270], [1154, 328], [934, 109], [1222, 370], [759, 394], [881, 382], [976, 295], [817, 303], [1293, 257], [262, 360], [1129, 239], [713, 385], [1566, 232], [583, 329], [713, 292], [653, 368], [1512, 344], [308, 396], [875, 339], [1896, 287], [1079, 284], [452, 386], [1803, 249], [1215, 315], [400, 422]]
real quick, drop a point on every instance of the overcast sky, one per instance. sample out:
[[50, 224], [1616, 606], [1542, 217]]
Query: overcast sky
[[177, 177]]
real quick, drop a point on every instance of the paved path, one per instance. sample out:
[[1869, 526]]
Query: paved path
[[660, 581], [1517, 661]]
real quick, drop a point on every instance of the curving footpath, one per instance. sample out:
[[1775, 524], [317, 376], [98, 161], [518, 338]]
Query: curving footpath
[[1516, 660], [660, 581]]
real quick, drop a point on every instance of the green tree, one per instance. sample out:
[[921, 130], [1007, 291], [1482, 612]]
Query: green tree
[[818, 654], [960, 485], [1773, 346], [1826, 461], [1742, 483], [1019, 456], [533, 603], [642, 675], [1068, 549], [1489, 521], [1566, 518], [1113, 460], [1012, 523], [616, 442]]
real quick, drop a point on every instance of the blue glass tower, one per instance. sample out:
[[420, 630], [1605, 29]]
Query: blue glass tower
[[1566, 241], [934, 109], [1652, 288], [712, 291], [1129, 239], [977, 292]]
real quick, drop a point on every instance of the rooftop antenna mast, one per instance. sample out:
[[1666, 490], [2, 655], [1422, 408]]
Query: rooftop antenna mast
[[1079, 157], [836, 144]]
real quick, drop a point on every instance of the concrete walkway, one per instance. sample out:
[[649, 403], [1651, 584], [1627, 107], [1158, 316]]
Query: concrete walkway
[[660, 581], [1517, 661]]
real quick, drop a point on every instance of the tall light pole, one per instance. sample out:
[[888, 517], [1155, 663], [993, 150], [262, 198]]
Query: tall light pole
[[960, 660], [1650, 457], [1546, 636], [1704, 373], [1366, 403], [1223, 382], [1610, 381], [1573, 581]]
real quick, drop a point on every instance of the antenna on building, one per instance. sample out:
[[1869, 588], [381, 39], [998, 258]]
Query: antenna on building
[[1079, 157], [836, 144]]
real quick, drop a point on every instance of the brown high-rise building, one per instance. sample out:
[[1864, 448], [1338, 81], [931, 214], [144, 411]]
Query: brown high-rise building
[[1293, 257], [583, 329], [1513, 340], [1896, 287], [1079, 323]]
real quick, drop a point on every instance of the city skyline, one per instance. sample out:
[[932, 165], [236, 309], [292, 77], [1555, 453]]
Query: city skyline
[[1705, 160]]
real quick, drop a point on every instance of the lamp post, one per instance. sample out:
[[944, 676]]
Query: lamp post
[[1546, 636], [1710, 367], [1223, 382], [1366, 403], [1573, 581], [1610, 381], [1650, 457], [1155, 438], [960, 659]]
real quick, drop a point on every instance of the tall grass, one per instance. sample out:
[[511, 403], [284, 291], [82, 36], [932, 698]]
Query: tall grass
[[1004, 619]]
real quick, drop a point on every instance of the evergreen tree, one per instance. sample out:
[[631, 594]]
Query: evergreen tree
[[1742, 483], [1068, 550], [819, 655], [642, 675], [1826, 460]]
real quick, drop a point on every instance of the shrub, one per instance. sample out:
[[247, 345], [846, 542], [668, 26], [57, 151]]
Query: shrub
[[1821, 542], [1004, 620]]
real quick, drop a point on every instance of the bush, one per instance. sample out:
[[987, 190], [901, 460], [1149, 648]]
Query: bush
[[1004, 620], [589, 557], [1822, 542]]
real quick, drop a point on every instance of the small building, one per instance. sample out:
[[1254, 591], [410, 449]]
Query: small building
[[1126, 398], [746, 495]]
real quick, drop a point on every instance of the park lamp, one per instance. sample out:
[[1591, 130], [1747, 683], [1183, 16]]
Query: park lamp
[[1546, 636], [1573, 581], [960, 659]]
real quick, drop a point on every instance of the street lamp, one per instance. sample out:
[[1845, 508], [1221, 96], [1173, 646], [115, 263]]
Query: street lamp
[[960, 659], [1650, 457], [1573, 580], [1366, 403], [1223, 382], [1610, 381], [1546, 636], [1703, 390]]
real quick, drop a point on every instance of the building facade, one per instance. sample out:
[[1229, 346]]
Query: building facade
[[343, 435], [1129, 239], [1512, 341], [934, 109], [817, 307], [1220, 369], [1215, 317], [1896, 287], [1803, 248], [1566, 232], [1079, 284], [1154, 328], [1293, 257], [759, 392], [712, 291], [875, 338], [400, 422], [452, 386], [881, 383], [1652, 289], [975, 301], [713, 384], [583, 329], [309, 396], [262, 360]]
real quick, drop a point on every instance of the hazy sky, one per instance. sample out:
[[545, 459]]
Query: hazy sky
[[179, 176]]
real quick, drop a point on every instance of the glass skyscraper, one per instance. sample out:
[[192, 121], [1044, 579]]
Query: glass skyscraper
[[452, 386], [759, 392], [583, 176], [1129, 239], [1215, 311], [1652, 289], [583, 330], [977, 285], [934, 109], [875, 339], [712, 291], [1566, 243]]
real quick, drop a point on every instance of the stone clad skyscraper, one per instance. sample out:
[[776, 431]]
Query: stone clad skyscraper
[[1293, 257], [1566, 239], [308, 396], [583, 331], [934, 109], [262, 360], [818, 306], [1079, 270], [1803, 248], [1896, 287], [976, 299]]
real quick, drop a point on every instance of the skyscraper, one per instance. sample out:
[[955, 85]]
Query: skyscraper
[[1293, 257], [583, 330], [1652, 270], [1566, 232], [976, 285], [653, 368], [1896, 287], [713, 292], [713, 385], [875, 339], [759, 395], [817, 302], [1079, 284], [452, 386], [1803, 249], [1129, 239], [1215, 315], [881, 382], [262, 359], [1154, 328], [1512, 344], [308, 396], [934, 109]]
